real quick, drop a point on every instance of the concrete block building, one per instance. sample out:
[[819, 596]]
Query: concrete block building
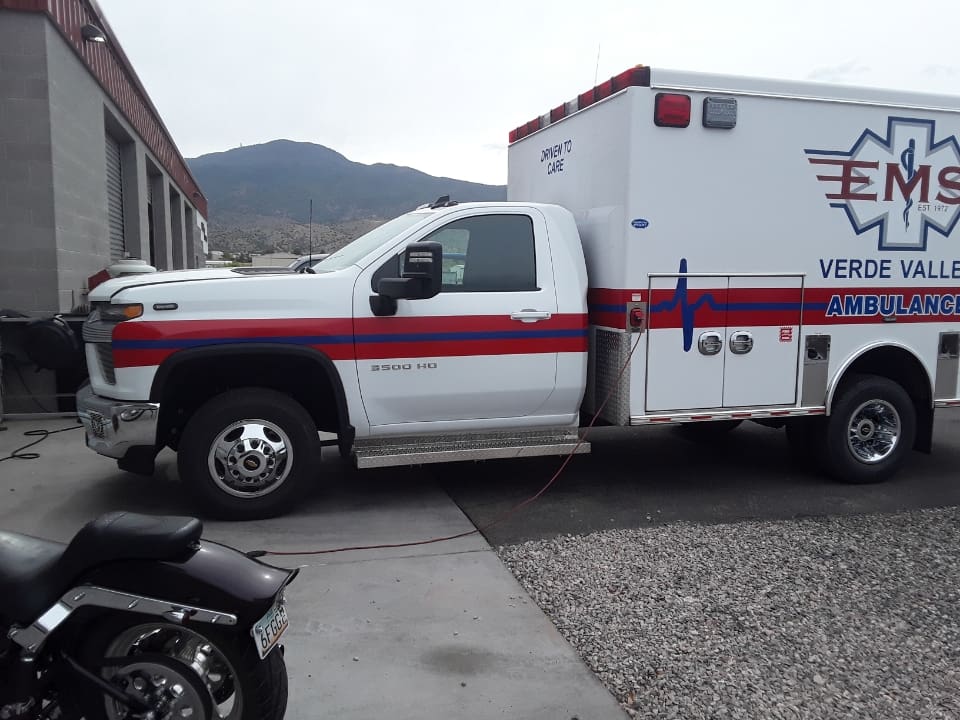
[[88, 172]]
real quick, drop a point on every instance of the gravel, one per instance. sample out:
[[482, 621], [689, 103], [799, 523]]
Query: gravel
[[848, 617]]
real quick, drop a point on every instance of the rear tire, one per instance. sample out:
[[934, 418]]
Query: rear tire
[[870, 431], [244, 686], [248, 454]]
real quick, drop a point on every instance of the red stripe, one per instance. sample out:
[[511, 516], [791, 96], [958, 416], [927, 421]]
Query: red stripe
[[730, 313], [610, 320], [226, 330], [210, 329], [463, 323], [457, 348], [609, 296], [824, 295]]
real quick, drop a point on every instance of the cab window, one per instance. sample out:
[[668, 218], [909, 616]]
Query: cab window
[[488, 253]]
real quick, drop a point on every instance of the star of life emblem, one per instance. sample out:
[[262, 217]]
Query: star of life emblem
[[898, 187]]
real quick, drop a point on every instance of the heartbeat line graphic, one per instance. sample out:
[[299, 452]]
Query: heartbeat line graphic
[[688, 310]]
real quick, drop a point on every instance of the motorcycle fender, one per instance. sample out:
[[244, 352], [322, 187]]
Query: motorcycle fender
[[214, 577]]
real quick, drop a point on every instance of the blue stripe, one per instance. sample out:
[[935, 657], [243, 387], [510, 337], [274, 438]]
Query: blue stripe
[[608, 308], [175, 344], [666, 306], [746, 307], [455, 336]]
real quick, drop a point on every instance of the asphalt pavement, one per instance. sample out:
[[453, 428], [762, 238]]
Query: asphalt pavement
[[637, 477]]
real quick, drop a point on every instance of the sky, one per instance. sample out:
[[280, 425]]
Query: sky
[[438, 86]]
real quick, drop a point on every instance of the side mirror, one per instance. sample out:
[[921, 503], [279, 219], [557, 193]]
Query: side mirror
[[421, 275], [420, 278]]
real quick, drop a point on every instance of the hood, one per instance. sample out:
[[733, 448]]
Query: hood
[[106, 290]]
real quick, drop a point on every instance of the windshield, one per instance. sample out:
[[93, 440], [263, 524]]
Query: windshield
[[365, 244]]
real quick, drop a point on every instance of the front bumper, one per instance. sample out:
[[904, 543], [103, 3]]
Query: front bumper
[[113, 427]]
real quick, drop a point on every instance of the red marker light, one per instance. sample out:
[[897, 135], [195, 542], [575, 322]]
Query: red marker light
[[672, 110], [603, 90], [585, 99], [636, 76]]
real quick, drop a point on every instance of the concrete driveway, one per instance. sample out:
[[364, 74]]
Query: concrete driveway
[[438, 631]]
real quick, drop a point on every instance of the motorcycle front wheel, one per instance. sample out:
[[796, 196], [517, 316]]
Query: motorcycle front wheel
[[198, 672]]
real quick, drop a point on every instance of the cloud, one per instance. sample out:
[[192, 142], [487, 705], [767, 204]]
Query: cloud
[[839, 73], [495, 147]]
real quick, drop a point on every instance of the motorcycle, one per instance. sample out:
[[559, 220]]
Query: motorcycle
[[137, 617]]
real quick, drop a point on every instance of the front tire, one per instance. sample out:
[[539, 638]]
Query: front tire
[[870, 431], [248, 453]]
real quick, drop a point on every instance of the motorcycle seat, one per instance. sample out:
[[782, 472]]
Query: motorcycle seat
[[34, 573]]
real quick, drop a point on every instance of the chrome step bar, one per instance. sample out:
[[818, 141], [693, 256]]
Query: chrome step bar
[[421, 450]]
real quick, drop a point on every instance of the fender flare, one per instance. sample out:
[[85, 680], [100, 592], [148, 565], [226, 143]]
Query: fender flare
[[851, 359], [346, 431]]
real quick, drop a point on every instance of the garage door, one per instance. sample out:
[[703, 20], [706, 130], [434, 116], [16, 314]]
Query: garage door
[[114, 199]]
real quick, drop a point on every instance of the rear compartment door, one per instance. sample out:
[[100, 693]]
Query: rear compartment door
[[686, 337], [762, 341]]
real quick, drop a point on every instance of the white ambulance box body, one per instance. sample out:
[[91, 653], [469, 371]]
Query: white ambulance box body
[[807, 225]]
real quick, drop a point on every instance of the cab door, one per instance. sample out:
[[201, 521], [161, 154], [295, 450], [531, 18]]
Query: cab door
[[485, 347]]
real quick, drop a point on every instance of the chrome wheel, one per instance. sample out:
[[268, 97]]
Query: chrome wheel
[[250, 458], [874, 431], [163, 687], [158, 685]]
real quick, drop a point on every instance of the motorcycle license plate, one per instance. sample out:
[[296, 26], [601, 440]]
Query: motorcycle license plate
[[268, 629]]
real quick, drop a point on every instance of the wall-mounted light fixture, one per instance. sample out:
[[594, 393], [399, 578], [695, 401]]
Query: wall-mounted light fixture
[[91, 33]]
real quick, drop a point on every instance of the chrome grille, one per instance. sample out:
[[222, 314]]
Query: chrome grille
[[105, 356], [97, 331]]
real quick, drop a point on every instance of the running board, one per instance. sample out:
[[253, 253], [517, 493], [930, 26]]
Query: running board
[[420, 450]]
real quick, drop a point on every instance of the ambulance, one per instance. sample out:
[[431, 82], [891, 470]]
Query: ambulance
[[676, 248]]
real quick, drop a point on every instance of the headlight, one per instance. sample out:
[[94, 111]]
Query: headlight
[[119, 313]]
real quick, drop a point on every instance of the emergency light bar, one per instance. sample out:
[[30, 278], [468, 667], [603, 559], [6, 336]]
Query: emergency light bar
[[638, 76]]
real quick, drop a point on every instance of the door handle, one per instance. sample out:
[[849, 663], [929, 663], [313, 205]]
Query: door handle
[[741, 342], [528, 315], [710, 343]]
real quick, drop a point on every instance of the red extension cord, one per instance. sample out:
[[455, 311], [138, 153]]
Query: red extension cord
[[497, 520]]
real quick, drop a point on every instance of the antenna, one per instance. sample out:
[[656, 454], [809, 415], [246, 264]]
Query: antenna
[[310, 251], [596, 72]]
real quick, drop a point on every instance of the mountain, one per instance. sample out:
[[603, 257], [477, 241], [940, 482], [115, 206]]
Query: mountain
[[259, 195]]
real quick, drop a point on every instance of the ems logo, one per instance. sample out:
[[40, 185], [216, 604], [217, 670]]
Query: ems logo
[[902, 185]]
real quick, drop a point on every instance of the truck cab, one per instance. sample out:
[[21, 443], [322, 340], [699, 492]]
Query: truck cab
[[453, 329]]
